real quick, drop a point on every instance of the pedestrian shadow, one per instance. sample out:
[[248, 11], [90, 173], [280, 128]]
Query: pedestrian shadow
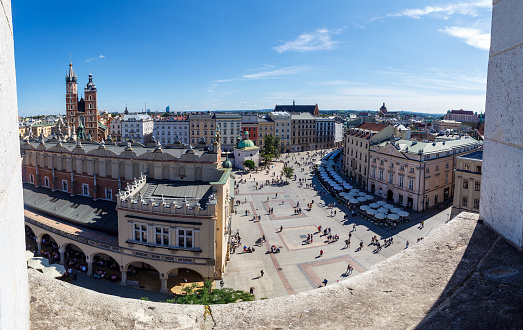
[[256, 278], [317, 257]]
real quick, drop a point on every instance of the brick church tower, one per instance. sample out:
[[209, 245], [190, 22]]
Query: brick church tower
[[83, 112], [71, 98]]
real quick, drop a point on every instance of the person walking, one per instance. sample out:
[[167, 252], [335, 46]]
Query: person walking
[[354, 227], [261, 273], [321, 253], [325, 282], [407, 244], [281, 229], [251, 290], [221, 284]]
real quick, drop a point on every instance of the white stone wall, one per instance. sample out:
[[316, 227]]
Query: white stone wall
[[501, 204], [14, 303]]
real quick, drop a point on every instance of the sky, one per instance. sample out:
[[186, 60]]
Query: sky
[[412, 55]]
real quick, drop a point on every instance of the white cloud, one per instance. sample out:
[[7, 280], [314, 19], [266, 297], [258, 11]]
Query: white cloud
[[472, 36], [95, 58], [463, 8], [309, 42], [278, 73]]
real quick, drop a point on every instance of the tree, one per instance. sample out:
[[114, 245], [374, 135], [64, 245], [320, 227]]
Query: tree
[[287, 172], [207, 296], [271, 148], [249, 164]]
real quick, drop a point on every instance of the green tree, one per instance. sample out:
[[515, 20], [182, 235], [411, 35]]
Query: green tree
[[207, 296], [271, 148], [249, 164], [287, 172]]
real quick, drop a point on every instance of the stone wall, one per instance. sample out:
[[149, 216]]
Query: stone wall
[[502, 178], [14, 311]]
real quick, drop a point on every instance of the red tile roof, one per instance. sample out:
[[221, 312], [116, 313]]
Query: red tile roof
[[372, 126]]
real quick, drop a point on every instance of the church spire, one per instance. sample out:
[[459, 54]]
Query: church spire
[[70, 76]]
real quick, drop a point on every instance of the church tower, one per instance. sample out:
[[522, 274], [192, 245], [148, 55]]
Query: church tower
[[71, 97], [91, 110]]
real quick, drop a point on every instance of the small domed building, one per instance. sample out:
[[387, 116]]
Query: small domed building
[[245, 150]]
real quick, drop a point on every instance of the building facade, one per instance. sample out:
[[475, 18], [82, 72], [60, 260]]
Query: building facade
[[324, 133], [462, 116], [467, 187], [138, 128], [357, 147], [416, 175], [443, 125], [282, 128], [169, 129], [115, 129], [230, 125], [203, 126], [250, 124], [266, 126], [303, 131]]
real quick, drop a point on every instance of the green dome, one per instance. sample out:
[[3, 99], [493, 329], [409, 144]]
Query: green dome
[[227, 163], [245, 144]]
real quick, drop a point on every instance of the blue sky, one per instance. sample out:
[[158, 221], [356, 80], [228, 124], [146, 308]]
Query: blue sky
[[424, 56]]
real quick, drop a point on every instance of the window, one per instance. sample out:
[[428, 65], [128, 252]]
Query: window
[[400, 199], [427, 170], [476, 203], [108, 193], [402, 167], [477, 185], [162, 236], [464, 201], [437, 167], [467, 167], [411, 184], [465, 184], [411, 170], [85, 189], [140, 232], [446, 178], [400, 183], [391, 178], [64, 185], [373, 172], [46, 181], [478, 169], [381, 175], [185, 238]]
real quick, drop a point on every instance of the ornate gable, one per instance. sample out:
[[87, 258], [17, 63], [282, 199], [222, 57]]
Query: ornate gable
[[391, 150]]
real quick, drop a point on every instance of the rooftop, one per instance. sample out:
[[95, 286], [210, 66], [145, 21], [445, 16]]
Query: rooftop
[[415, 147], [156, 190], [99, 215], [301, 115], [176, 150], [476, 155]]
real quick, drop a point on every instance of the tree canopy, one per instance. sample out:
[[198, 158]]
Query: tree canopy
[[287, 172], [271, 148], [249, 164], [208, 296]]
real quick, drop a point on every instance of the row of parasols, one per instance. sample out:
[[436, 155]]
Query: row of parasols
[[381, 210], [42, 264]]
